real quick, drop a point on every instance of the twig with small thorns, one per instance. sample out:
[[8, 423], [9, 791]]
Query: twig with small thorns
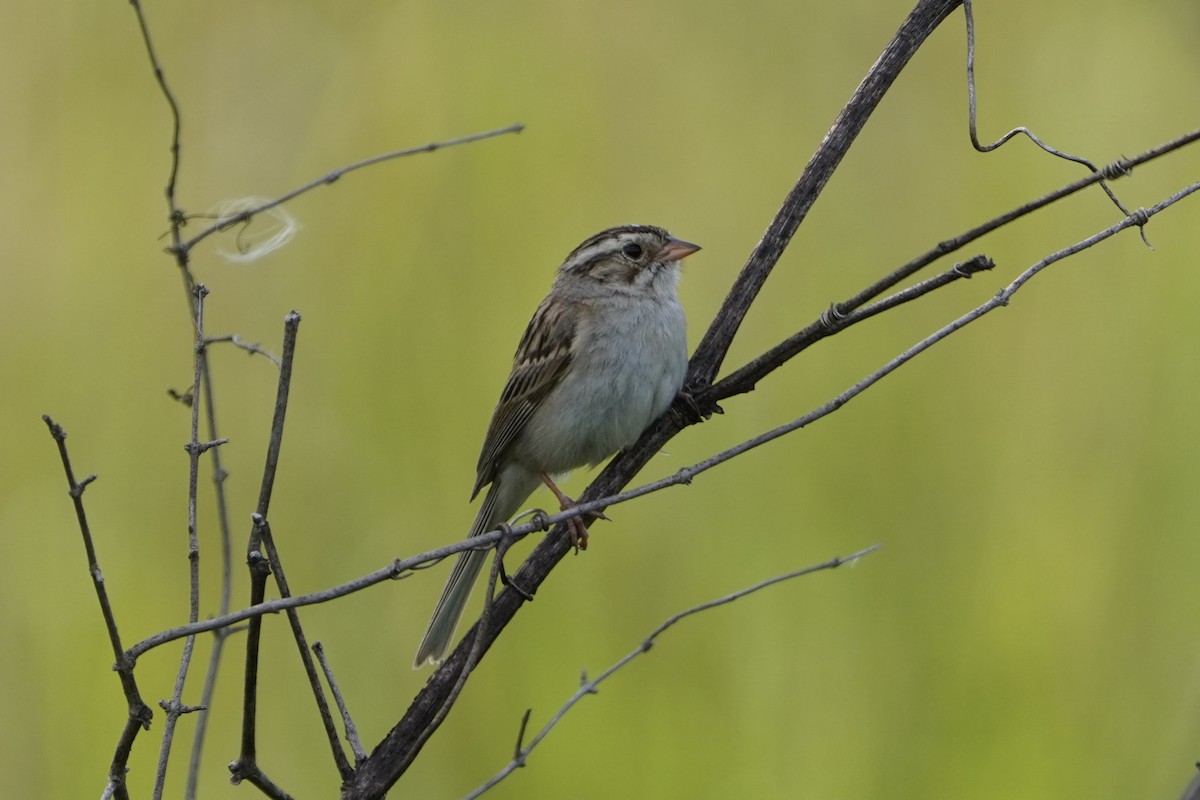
[[139, 714]]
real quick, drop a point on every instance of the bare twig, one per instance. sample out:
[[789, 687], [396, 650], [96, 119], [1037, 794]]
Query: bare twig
[[347, 722], [255, 777], [140, 714], [968, 11], [214, 659], [243, 216], [291, 325], [1112, 171], [246, 766], [1137, 219], [588, 687], [203, 386], [176, 119], [253, 348], [846, 313], [195, 449], [220, 634]]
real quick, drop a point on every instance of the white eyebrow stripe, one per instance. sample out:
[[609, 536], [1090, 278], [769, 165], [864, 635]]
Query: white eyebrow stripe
[[592, 252]]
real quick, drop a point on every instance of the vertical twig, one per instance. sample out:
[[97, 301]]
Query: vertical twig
[[246, 766], [291, 325], [221, 634], [140, 714], [201, 389], [195, 448], [176, 121]]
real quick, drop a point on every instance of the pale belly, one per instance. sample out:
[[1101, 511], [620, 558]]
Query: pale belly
[[630, 378]]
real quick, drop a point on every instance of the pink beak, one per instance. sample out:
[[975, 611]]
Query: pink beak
[[675, 249]]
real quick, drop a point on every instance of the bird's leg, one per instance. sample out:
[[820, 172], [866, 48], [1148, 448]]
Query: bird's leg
[[579, 532]]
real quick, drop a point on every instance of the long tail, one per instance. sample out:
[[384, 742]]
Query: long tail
[[454, 597]]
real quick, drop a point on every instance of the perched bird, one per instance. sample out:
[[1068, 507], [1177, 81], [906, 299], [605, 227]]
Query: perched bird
[[602, 358]]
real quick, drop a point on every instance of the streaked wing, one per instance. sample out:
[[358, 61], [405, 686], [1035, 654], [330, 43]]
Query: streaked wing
[[542, 358]]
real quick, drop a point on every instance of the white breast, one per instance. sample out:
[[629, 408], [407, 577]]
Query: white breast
[[629, 366]]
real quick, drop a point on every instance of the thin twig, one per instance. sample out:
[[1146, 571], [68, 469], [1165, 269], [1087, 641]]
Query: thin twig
[[846, 313], [987, 148], [252, 348], [1137, 219], [246, 766], [236, 219], [834, 320], [226, 589], [195, 449], [1112, 171], [203, 386], [588, 687], [291, 325], [139, 714], [352, 737], [176, 120]]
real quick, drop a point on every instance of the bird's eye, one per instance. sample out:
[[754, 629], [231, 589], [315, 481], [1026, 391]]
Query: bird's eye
[[633, 250]]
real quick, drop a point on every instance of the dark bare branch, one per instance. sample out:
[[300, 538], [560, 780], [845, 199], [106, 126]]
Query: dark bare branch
[[139, 714], [389, 759]]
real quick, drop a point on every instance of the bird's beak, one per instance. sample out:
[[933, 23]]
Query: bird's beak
[[675, 249]]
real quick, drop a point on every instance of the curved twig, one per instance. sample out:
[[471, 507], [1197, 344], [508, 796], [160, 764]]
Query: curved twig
[[588, 687]]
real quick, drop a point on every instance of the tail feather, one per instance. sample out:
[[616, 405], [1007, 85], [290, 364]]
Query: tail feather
[[449, 609]]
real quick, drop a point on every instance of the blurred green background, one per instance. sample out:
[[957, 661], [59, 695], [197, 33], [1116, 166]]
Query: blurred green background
[[1029, 628]]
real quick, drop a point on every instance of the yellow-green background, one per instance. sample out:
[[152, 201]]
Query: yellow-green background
[[1029, 628]]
